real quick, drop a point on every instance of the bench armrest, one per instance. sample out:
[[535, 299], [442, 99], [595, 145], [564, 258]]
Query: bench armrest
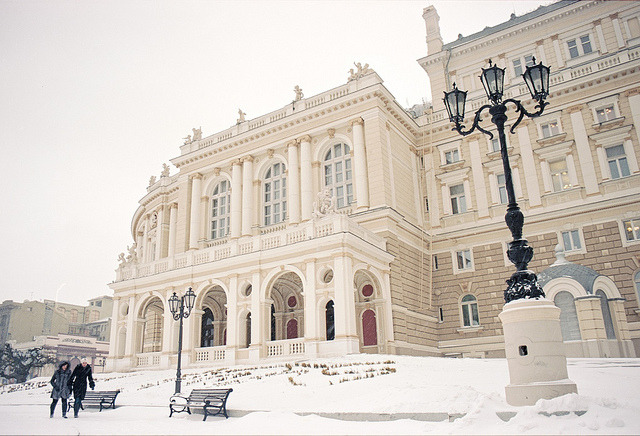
[[178, 398]]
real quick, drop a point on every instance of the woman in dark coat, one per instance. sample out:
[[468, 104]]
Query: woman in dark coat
[[78, 382], [61, 390]]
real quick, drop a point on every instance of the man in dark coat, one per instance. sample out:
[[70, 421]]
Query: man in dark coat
[[61, 389], [78, 382]]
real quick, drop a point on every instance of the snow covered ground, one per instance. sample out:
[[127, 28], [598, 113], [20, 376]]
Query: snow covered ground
[[360, 394]]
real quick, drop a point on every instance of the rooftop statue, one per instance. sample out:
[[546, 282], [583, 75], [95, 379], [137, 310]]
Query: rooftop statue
[[360, 71], [187, 140], [197, 134], [165, 170], [241, 115], [152, 180], [298, 92]]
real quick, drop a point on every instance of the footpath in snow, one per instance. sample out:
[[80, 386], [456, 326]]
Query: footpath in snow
[[359, 394]]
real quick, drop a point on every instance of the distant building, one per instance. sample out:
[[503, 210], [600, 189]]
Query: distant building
[[22, 322]]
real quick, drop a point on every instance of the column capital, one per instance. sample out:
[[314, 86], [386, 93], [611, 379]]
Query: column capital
[[196, 176], [358, 121], [597, 22], [554, 37], [316, 164], [257, 182], [173, 205], [247, 158], [292, 143], [540, 42], [614, 16], [576, 108], [236, 162], [630, 92], [304, 138], [216, 171], [204, 198]]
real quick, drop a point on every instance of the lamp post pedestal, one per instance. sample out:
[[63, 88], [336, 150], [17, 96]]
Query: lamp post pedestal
[[535, 352]]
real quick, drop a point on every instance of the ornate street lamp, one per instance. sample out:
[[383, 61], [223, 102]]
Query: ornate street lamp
[[180, 309], [523, 283]]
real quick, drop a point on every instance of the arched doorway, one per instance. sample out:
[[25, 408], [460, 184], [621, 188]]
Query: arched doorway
[[153, 316], [214, 318], [369, 307], [369, 328], [330, 325], [568, 316], [287, 308]]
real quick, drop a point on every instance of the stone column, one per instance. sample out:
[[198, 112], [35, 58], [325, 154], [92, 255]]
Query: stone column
[[232, 318], [584, 151], [173, 222], [556, 48], [293, 183], [236, 199], [601, 40], [257, 318], [131, 330], [204, 224], [589, 311], [247, 195], [159, 235], [114, 341], [360, 164], [306, 189], [478, 179], [194, 227], [144, 247], [312, 332], [344, 307], [634, 105], [617, 30]]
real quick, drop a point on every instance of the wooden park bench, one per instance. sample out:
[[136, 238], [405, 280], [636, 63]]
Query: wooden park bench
[[102, 399], [211, 401]]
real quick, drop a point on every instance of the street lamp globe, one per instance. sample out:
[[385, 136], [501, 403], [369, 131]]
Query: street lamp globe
[[537, 79], [174, 304], [492, 79], [189, 300], [454, 101]]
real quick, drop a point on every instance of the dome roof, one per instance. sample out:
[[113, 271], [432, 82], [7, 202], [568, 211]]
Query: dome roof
[[563, 268]]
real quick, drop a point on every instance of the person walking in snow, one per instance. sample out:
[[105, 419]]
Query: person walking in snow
[[61, 389], [78, 382]]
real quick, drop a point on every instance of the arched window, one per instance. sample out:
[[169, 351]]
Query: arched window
[[220, 208], [330, 322], [275, 194], [469, 306], [606, 314], [206, 335], [338, 174], [568, 316], [369, 329]]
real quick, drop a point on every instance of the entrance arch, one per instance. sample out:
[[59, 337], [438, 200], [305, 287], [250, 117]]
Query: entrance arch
[[287, 307], [153, 320], [213, 323]]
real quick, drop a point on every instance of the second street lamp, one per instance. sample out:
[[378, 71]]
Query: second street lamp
[[180, 309], [523, 283]]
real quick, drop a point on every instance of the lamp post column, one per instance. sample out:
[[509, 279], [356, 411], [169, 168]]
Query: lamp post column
[[179, 372]]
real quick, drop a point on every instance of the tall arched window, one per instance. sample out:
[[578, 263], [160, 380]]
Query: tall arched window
[[275, 194], [338, 174], [568, 316], [606, 314], [220, 208], [273, 322], [206, 334], [469, 306], [248, 331], [330, 321]]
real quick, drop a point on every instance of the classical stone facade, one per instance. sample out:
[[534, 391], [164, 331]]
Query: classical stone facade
[[344, 223]]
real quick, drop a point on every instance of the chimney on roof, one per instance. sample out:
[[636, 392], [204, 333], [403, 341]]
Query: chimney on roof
[[432, 21]]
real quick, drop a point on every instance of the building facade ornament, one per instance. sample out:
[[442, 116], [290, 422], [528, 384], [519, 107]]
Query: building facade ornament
[[165, 170], [152, 180], [331, 132], [359, 72], [241, 116], [325, 203], [197, 133], [299, 94]]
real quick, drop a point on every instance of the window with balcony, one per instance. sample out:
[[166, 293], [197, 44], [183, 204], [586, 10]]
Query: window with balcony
[[338, 174], [617, 161], [469, 310], [458, 199], [275, 194], [606, 113], [571, 240], [519, 64], [579, 46], [559, 175], [502, 188], [632, 229], [549, 129], [451, 156], [220, 210], [495, 144]]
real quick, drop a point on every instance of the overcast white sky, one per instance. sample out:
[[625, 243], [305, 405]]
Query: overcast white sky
[[95, 96]]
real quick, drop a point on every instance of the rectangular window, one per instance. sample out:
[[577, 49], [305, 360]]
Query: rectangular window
[[451, 156], [550, 129], [632, 229], [458, 201], [605, 114], [464, 259], [617, 159], [426, 204], [579, 46], [502, 188], [435, 261], [495, 144], [440, 315], [559, 175], [519, 64], [571, 240], [634, 27]]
